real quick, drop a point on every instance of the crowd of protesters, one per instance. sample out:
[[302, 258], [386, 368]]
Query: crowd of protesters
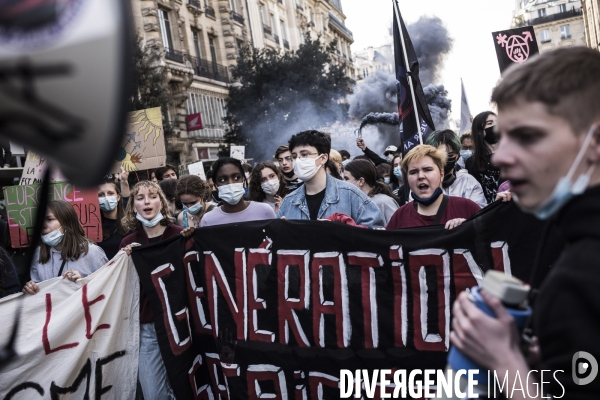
[[443, 182]]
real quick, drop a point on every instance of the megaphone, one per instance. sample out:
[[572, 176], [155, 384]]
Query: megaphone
[[64, 81]]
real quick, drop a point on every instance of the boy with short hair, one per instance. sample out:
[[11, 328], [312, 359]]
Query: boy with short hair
[[323, 195], [549, 123], [283, 156]]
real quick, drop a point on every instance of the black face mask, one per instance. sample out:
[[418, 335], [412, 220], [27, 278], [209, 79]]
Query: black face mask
[[450, 164], [288, 174], [490, 137]]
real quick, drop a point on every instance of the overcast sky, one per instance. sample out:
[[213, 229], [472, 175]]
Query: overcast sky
[[470, 23]]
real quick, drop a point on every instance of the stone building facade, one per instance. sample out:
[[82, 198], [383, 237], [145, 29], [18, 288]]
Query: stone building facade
[[200, 40], [557, 23], [591, 18]]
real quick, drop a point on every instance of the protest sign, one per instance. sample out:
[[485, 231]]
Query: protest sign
[[144, 145], [514, 46], [275, 309], [197, 168], [237, 152], [33, 171], [22, 203], [76, 340]]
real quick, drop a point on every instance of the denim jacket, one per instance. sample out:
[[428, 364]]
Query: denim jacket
[[340, 197]]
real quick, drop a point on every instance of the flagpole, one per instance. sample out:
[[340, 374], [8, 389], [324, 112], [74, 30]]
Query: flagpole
[[408, 72]]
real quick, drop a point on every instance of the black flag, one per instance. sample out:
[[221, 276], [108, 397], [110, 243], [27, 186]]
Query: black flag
[[406, 111], [515, 46]]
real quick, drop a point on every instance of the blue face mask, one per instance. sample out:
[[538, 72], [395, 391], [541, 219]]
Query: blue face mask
[[108, 203], [53, 238], [564, 190], [195, 209], [466, 154], [428, 201], [398, 173], [150, 223]]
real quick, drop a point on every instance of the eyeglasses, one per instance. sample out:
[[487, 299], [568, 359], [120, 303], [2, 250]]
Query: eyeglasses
[[303, 156], [288, 159]]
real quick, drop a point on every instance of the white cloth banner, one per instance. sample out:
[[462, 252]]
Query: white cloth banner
[[76, 340]]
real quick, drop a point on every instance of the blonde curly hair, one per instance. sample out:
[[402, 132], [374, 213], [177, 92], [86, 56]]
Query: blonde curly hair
[[130, 221]]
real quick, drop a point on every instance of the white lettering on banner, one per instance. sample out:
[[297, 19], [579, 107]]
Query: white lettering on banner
[[320, 281], [93, 325]]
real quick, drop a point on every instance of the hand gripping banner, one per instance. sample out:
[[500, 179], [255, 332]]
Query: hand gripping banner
[[76, 340], [275, 309]]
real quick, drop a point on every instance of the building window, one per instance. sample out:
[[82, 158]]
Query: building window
[[545, 35], [213, 50], [263, 15], [541, 12], [197, 45], [282, 30], [273, 25], [212, 110], [562, 8], [233, 5], [165, 29], [565, 32]]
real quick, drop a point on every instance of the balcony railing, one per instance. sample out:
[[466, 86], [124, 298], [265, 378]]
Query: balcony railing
[[277, 39], [195, 3], [551, 18], [286, 44], [339, 25], [209, 69], [565, 37], [237, 17], [174, 55], [267, 29], [210, 12]]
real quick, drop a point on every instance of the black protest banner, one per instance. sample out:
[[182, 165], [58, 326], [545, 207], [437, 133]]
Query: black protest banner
[[514, 46], [278, 308]]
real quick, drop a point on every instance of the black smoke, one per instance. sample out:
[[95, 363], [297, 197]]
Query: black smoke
[[377, 93]]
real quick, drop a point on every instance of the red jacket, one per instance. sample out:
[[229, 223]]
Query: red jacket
[[139, 236]]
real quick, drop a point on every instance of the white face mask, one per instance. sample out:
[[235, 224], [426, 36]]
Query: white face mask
[[565, 189], [390, 157], [149, 223], [232, 193], [305, 169], [53, 238], [108, 203], [270, 187]]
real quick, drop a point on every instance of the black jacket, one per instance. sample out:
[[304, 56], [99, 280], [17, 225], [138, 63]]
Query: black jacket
[[374, 157], [567, 311]]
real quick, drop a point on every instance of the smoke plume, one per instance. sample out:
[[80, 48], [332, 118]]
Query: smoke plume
[[377, 93]]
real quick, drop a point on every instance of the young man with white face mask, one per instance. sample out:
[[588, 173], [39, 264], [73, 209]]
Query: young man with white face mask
[[549, 150], [230, 179], [323, 195]]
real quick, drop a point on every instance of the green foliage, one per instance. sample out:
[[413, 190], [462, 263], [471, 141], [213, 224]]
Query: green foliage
[[150, 87], [281, 94]]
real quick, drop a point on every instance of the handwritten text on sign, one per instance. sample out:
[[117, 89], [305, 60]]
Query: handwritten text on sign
[[22, 202]]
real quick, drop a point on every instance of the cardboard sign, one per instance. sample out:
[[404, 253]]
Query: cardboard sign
[[22, 204], [237, 152], [144, 145], [73, 331], [194, 122], [197, 168], [34, 168], [514, 46]]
